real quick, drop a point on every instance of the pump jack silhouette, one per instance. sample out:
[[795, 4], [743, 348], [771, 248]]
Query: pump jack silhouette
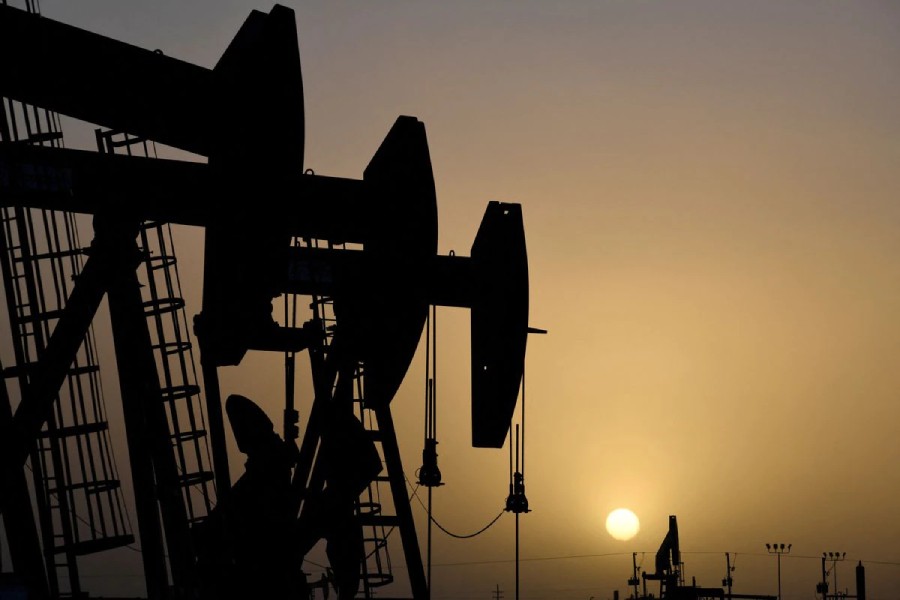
[[285, 235], [668, 572]]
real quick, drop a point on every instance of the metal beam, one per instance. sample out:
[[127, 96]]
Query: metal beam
[[51, 369], [100, 80], [440, 280], [179, 192], [401, 504], [18, 515], [149, 436]]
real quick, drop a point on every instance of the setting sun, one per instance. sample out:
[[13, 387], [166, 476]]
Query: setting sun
[[622, 524]]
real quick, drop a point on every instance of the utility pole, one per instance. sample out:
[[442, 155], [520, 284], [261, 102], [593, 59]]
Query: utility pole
[[728, 571], [778, 550], [634, 580], [823, 587], [497, 594]]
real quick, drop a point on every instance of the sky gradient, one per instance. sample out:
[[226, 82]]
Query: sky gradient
[[710, 193]]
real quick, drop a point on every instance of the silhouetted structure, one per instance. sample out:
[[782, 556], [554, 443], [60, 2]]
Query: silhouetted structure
[[247, 546], [669, 572], [364, 251]]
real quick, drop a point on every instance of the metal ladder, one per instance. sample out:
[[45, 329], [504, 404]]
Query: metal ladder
[[371, 512], [80, 507], [79, 500], [167, 320]]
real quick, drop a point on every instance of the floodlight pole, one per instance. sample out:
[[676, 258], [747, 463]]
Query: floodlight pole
[[778, 550], [835, 558]]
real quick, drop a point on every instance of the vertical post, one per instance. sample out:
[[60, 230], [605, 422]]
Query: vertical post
[[860, 582], [517, 556], [517, 517], [834, 568], [779, 576], [727, 581], [778, 550], [216, 423], [428, 580], [824, 579], [634, 579], [835, 558]]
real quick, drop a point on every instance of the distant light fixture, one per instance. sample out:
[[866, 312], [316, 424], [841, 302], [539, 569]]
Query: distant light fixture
[[778, 549]]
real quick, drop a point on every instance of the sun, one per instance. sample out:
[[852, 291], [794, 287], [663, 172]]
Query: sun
[[622, 524]]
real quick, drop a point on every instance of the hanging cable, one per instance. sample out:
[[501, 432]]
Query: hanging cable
[[517, 502], [429, 474], [431, 518], [471, 535]]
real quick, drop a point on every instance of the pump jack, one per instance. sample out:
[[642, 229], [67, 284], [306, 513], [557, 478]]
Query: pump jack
[[668, 571], [246, 116]]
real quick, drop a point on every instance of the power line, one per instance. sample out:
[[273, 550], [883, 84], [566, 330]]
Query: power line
[[535, 559]]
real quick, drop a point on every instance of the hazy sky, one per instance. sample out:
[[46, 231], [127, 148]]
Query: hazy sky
[[711, 195]]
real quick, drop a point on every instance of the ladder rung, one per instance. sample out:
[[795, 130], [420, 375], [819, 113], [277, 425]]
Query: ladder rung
[[378, 580], [80, 429], [90, 487], [170, 348], [84, 370], [155, 263], [376, 520], [43, 316], [179, 392], [153, 308], [47, 136], [186, 436], [49, 255], [97, 545], [17, 370], [195, 478], [125, 141]]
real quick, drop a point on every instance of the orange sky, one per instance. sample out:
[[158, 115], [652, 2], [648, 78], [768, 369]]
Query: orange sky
[[710, 200]]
